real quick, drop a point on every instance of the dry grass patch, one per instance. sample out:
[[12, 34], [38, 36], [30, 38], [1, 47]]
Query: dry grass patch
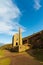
[[5, 61]]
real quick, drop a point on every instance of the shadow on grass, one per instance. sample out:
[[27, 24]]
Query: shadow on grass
[[36, 53], [13, 50]]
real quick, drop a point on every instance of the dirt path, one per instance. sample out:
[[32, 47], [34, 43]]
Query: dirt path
[[21, 59]]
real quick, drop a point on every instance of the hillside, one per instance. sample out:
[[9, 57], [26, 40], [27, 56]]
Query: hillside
[[6, 46], [36, 40]]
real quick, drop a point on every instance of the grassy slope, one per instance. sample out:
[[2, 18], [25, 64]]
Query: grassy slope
[[6, 46], [37, 54], [2, 48], [5, 61], [1, 52]]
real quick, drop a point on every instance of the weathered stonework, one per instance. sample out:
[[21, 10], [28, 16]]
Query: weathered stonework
[[17, 42]]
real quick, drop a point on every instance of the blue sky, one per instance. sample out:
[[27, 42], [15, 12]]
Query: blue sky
[[27, 14]]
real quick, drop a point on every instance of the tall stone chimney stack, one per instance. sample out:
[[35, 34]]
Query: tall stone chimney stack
[[20, 36]]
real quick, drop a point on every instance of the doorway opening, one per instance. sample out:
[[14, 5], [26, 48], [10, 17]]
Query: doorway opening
[[16, 43]]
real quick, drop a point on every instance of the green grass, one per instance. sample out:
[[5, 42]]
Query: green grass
[[1, 52], [39, 55], [5, 61], [36, 53], [6, 46]]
